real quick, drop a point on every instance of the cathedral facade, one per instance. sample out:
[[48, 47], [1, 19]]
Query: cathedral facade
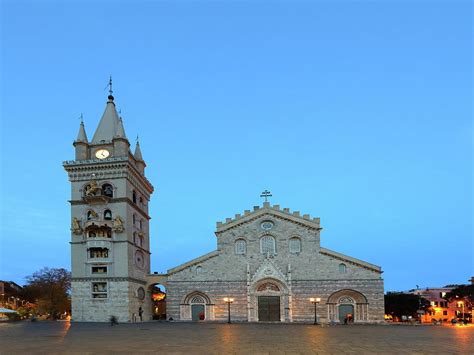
[[268, 265]]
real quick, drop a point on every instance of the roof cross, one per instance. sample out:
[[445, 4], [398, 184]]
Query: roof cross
[[266, 194], [109, 85]]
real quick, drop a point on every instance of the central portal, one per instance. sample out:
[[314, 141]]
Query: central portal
[[268, 308]]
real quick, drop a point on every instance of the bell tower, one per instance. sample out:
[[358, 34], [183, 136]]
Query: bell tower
[[110, 244]]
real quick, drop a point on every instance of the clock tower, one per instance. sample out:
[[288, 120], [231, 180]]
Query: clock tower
[[110, 244]]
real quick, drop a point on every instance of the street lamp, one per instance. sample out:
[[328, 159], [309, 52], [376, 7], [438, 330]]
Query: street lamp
[[228, 300], [315, 301]]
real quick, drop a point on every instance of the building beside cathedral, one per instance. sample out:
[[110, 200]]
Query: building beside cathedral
[[268, 260]]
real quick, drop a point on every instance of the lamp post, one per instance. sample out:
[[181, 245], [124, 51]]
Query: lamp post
[[228, 300], [315, 301]]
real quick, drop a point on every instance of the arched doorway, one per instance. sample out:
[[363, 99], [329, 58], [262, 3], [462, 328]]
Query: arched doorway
[[268, 301], [347, 304], [158, 301], [346, 309], [197, 306]]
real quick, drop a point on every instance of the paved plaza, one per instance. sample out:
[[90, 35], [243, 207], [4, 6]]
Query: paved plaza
[[214, 338]]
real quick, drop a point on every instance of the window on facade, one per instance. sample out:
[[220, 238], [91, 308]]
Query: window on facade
[[141, 224], [108, 190], [240, 246], [98, 253], [267, 244], [99, 290], [141, 200], [342, 268], [134, 219], [295, 245], [134, 197], [99, 269], [198, 270], [108, 215], [445, 313], [135, 239]]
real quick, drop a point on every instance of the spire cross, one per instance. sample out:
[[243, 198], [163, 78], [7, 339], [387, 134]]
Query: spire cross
[[110, 85], [81, 118], [136, 140], [266, 194]]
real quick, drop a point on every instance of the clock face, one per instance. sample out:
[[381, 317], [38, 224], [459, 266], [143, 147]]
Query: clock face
[[140, 259], [102, 154], [141, 293]]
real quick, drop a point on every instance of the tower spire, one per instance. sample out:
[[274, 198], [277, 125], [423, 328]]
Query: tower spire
[[138, 152], [81, 135]]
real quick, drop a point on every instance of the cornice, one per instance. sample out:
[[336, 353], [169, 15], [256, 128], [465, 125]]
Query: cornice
[[114, 200], [101, 279]]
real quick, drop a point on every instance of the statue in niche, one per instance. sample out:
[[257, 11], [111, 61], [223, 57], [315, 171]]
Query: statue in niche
[[118, 225], [91, 189], [75, 226]]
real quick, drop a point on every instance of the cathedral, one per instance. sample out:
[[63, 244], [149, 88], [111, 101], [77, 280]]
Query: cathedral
[[269, 265]]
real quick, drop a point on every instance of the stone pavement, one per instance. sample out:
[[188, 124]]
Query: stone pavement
[[217, 338]]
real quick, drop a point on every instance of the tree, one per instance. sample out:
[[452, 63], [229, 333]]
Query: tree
[[49, 289], [461, 291], [404, 304]]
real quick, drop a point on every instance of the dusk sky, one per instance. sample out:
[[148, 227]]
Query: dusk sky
[[357, 112]]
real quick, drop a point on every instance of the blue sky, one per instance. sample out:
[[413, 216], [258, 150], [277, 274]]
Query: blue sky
[[358, 112]]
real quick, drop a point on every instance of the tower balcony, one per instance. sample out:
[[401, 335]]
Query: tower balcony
[[96, 199]]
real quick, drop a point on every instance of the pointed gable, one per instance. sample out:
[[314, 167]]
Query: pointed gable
[[109, 124], [275, 211]]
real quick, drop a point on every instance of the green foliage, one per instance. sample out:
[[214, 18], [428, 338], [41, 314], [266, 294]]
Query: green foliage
[[49, 290], [404, 304], [462, 291]]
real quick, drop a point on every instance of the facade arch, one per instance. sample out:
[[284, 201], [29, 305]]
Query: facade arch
[[269, 301], [197, 306], [347, 305]]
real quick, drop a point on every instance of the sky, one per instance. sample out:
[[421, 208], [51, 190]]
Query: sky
[[357, 112]]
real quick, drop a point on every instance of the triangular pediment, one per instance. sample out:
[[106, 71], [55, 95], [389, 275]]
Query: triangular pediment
[[268, 211], [268, 269]]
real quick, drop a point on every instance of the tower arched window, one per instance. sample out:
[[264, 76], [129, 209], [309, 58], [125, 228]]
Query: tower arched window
[[91, 215], [134, 197], [134, 219], [342, 268], [141, 223], [108, 190], [135, 239], [108, 215], [240, 247], [267, 244], [294, 245]]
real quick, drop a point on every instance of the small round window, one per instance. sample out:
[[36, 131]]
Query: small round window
[[266, 225]]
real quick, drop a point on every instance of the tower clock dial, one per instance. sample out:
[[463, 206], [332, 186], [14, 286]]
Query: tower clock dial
[[102, 154]]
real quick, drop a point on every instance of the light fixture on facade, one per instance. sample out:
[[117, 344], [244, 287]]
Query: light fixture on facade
[[315, 301]]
